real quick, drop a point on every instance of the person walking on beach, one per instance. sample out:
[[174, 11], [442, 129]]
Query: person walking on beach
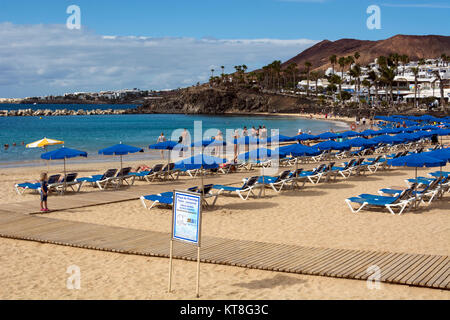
[[44, 192], [218, 137], [263, 133], [161, 138], [253, 132], [183, 139], [235, 137]]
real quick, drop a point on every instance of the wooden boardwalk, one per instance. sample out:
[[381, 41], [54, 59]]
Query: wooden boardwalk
[[430, 271]]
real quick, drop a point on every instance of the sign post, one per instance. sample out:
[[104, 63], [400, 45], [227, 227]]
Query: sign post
[[186, 226]]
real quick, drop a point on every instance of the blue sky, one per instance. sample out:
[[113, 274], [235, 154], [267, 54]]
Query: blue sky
[[184, 39]]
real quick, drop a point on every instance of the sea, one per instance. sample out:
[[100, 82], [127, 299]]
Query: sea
[[92, 133]]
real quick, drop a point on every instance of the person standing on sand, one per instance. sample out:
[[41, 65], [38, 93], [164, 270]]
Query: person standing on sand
[[44, 192], [235, 137], [161, 138], [263, 134], [253, 132], [218, 137], [184, 138], [245, 132]]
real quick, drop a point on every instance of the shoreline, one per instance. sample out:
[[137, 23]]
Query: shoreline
[[149, 156]]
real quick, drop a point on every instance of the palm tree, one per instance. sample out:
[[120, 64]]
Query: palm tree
[[315, 76], [372, 76], [342, 63], [350, 61], [293, 70], [441, 87], [444, 58], [367, 84], [356, 72], [357, 55], [415, 72], [333, 61], [308, 66], [387, 77], [223, 74]]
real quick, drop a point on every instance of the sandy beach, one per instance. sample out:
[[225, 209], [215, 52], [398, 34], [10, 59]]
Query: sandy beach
[[315, 216]]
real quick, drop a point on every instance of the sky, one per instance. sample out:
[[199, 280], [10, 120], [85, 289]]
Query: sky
[[150, 44]]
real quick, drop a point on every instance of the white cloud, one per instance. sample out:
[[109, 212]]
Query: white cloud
[[50, 59], [417, 5]]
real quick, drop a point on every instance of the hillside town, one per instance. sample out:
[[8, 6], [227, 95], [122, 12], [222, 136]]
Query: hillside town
[[419, 82]]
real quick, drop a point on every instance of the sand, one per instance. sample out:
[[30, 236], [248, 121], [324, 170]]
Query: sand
[[316, 216]]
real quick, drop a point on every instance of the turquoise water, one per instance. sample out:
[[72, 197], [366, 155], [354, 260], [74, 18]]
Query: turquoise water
[[91, 133], [12, 106]]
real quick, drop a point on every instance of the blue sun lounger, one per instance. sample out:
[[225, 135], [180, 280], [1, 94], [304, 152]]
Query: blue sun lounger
[[278, 181], [166, 198], [430, 191], [402, 201], [22, 187], [247, 187], [98, 179]]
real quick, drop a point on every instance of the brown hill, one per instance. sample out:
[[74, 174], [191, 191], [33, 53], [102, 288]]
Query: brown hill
[[416, 47]]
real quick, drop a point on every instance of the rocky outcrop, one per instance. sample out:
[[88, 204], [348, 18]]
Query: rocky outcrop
[[58, 112], [218, 101]]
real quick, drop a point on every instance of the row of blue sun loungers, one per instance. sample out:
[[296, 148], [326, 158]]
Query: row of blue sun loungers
[[253, 186], [419, 191], [111, 178], [55, 183]]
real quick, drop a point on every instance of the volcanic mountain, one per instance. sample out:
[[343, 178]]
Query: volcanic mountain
[[416, 47]]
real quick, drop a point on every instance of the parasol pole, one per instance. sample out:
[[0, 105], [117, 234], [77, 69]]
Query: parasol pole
[[121, 174], [65, 176]]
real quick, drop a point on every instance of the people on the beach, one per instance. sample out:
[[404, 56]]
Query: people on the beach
[[263, 133], [245, 132], [44, 192], [161, 138], [235, 137], [142, 167], [218, 137], [183, 140], [253, 132]]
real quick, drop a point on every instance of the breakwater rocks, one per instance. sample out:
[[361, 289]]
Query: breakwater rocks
[[59, 112]]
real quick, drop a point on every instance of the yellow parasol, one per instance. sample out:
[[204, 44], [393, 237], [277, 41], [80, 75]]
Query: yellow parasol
[[43, 143]]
